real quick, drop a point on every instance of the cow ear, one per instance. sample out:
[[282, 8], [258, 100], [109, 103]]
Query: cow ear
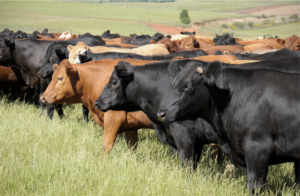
[[212, 72], [70, 47], [124, 70], [55, 66], [173, 68], [71, 70]]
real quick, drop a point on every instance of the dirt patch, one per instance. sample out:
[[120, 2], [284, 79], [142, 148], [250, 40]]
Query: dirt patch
[[280, 10], [171, 30]]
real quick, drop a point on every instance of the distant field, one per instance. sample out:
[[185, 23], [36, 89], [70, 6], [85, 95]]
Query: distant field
[[65, 157], [87, 17], [282, 31]]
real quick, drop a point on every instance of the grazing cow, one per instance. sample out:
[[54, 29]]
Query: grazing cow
[[29, 56], [147, 50], [284, 53], [275, 43], [6, 32], [107, 35], [83, 84], [225, 39], [12, 77], [187, 33], [229, 48], [135, 88], [292, 43], [255, 111], [87, 56]]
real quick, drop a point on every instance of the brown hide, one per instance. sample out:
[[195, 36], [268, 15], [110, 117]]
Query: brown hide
[[210, 58], [292, 43], [259, 46], [275, 43], [11, 77], [119, 40], [229, 48], [121, 45], [171, 45], [189, 42], [83, 83]]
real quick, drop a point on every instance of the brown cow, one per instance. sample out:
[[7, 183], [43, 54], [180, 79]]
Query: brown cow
[[12, 77], [292, 43], [83, 83], [229, 48], [146, 50], [120, 44], [210, 58], [276, 43]]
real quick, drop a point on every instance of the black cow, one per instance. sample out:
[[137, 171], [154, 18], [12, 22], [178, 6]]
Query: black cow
[[188, 33], [141, 40], [255, 112], [89, 56], [107, 35], [29, 56], [224, 39], [6, 32], [133, 88]]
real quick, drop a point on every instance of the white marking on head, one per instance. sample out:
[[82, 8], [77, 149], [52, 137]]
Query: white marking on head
[[77, 61]]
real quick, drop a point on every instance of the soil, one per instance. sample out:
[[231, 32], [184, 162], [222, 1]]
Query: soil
[[170, 29], [280, 10]]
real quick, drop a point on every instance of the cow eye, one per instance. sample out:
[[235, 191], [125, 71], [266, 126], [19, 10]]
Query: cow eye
[[60, 78], [114, 82], [187, 88]]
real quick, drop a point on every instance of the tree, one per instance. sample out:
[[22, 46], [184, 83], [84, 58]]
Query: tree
[[184, 17]]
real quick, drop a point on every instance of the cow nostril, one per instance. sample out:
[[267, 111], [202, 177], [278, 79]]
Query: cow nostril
[[96, 105], [39, 73], [161, 115]]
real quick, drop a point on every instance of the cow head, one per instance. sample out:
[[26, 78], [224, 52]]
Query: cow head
[[62, 88], [55, 53], [170, 45], [4, 51], [113, 96], [189, 42], [190, 97], [292, 43], [84, 56], [74, 51]]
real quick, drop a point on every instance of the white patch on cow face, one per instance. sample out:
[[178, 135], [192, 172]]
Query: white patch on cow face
[[65, 35], [77, 61]]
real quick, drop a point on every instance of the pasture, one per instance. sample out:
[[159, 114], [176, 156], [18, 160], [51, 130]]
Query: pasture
[[65, 157], [81, 17]]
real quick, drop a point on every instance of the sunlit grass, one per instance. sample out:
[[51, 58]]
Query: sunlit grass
[[64, 157]]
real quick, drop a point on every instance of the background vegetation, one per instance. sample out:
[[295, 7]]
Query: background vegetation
[[97, 17]]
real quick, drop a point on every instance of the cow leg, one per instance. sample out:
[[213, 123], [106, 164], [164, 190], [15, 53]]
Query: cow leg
[[217, 153], [59, 110], [85, 113], [112, 123], [50, 111], [257, 167], [197, 154], [297, 171], [132, 139]]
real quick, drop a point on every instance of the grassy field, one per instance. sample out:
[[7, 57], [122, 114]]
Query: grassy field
[[282, 31], [81, 17], [64, 157]]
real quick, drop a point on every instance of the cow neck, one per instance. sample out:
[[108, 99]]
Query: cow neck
[[88, 76]]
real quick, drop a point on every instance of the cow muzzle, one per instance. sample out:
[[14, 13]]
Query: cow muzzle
[[161, 115]]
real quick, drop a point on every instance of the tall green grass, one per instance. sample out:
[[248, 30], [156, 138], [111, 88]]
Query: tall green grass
[[64, 157]]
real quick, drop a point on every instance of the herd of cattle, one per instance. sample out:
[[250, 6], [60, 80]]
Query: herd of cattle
[[241, 96]]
